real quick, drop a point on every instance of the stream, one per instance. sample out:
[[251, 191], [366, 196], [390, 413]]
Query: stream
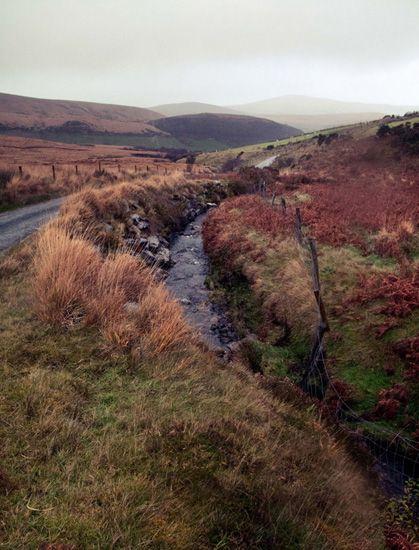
[[186, 280]]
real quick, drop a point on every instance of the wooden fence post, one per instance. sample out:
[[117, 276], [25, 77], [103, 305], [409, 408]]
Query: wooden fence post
[[53, 172], [147, 168], [77, 170], [284, 205], [20, 171], [316, 283], [273, 199], [298, 231], [100, 166]]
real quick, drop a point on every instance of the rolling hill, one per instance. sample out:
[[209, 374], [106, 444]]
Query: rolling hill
[[221, 129], [43, 114], [97, 123]]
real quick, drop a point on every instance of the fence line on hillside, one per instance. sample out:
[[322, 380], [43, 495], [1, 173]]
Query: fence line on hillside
[[396, 454]]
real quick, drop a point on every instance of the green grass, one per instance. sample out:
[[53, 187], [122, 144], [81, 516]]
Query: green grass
[[358, 356], [102, 450]]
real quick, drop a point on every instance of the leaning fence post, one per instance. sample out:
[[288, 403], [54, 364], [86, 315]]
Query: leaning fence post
[[20, 171], [316, 282], [53, 172], [298, 231]]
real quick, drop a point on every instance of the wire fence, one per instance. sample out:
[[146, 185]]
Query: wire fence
[[395, 455]]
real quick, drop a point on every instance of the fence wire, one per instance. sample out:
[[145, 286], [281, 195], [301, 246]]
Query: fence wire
[[396, 456]]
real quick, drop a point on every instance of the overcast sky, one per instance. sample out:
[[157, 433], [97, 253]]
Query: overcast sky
[[146, 52]]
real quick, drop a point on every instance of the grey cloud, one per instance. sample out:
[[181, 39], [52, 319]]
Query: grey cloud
[[159, 47]]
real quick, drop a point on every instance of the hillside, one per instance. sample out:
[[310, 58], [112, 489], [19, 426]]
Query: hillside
[[223, 130], [40, 114], [313, 123], [192, 108], [361, 134]]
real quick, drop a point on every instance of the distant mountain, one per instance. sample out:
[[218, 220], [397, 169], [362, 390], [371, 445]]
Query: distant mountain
[[305, 105], [41, 114], [192, 108], [223, 129]]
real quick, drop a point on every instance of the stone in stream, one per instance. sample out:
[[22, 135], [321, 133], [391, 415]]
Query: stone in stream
[[153, 243], [163, 257]]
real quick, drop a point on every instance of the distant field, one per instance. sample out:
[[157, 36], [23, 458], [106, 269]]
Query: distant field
[[20, 150], [50, 169]]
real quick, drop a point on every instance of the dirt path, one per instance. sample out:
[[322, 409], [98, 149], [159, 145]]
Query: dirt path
[[186, 280], [18, 224], [267, 162]]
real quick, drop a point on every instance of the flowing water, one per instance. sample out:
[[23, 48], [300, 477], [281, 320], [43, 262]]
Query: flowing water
[[187, 281]]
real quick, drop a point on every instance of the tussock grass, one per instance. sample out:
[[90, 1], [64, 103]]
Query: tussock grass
[[119, 293], [65, 273]]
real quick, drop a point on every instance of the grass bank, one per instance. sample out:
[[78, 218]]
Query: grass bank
[[121, 430]]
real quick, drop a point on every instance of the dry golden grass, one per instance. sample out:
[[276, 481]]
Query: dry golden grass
[[65, 272], [73, 283], [37, 182]]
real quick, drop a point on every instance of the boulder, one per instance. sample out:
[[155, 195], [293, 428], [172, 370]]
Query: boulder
[[143, 224], [153, 243], [140, 222], [163, 257]]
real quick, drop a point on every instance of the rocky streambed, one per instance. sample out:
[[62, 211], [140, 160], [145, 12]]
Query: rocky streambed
[[186, 280]]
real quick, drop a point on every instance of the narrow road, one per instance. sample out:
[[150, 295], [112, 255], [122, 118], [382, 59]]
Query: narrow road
[[267, 162], [18, 224]]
